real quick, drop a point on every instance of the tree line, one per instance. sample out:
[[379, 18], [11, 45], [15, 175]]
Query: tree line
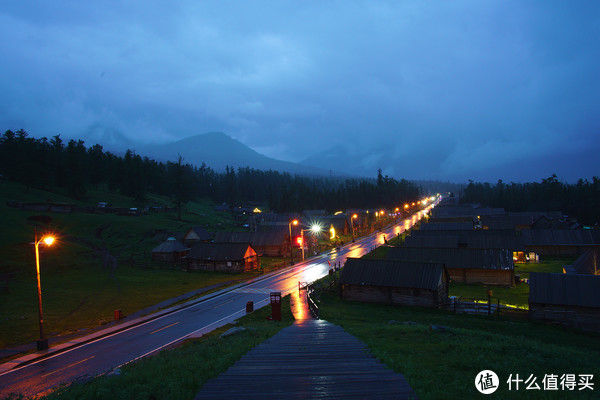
[[580, 200], [73, 167]]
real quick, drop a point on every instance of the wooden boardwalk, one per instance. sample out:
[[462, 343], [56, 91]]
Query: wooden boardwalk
[[312, 359]]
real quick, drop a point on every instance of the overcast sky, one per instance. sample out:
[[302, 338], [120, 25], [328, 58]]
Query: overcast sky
[[454, 89]]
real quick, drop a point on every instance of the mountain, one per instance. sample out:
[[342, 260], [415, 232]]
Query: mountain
[[217, 150]]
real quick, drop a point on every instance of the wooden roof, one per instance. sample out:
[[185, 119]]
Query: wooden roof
[[171, 245], [564, 289], [391, 273], [560, 237], [455, 257], [479, 239]]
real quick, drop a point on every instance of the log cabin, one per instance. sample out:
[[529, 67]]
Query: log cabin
[[394, 282], [569, 299], [465, 265]]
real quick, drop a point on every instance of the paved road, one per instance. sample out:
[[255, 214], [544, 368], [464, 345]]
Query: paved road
[[107, 353]]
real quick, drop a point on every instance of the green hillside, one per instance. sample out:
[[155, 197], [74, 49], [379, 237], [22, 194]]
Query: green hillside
[[79, 290]]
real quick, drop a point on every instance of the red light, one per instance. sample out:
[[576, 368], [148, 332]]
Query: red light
[[299, 240]]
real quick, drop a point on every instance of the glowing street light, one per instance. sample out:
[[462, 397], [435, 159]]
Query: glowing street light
[[406, 206], [295, 223], [48, 240], [316, 228], [354, 216]]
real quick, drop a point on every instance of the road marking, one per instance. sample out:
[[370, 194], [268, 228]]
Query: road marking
[[68, 366], [164, 327], [318, 259]]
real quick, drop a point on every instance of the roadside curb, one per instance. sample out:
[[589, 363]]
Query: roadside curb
[[8, 366]]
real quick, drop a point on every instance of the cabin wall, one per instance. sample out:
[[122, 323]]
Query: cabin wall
[[503, 277], [387, 295], [271, 251], [584, 318], [217, 266], [172, 257]]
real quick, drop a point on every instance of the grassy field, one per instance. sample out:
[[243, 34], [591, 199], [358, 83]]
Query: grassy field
[[442, 364], [517, 295], [79, 290], [180, 372]]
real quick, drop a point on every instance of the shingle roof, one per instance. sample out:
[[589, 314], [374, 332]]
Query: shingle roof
[[455, 258], [507, 221], [564, 289], [556, 237], [219, 251], [171, 245], [480, 239], [391, 273]]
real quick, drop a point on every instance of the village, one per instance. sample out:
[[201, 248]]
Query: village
[[465, 246], [267, 240]]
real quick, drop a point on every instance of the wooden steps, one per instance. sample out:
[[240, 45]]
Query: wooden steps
[[312, 359]]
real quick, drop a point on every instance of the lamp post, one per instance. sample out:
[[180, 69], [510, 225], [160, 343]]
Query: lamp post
[[48, 240], [354, 216], [293, 222]]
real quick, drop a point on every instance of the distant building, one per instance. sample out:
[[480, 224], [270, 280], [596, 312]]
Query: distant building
[[448, 226], [570, 299], [170, 251], [222, 257], [394, 282], [196, 234], [487, 266]]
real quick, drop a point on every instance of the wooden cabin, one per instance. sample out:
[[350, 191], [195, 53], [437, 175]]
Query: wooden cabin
[[465, 265], [271, 243], [170, 250], [394, 282], [222, 257], [570, 299], [560, 242]]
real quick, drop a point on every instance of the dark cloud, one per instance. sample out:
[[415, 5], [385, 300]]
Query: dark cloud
[[449, 90]]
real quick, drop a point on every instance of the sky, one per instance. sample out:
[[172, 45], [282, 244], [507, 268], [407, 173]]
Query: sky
[[430, 90]]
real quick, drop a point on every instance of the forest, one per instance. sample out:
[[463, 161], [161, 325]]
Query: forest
[[580, 200], [72, 167]]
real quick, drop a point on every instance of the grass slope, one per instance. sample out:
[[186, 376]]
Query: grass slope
[[78, 290], [443, 365]]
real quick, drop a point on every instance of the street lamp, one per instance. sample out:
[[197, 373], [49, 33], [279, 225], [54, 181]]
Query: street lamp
[[295, 223], [354, 216], [48, 240]]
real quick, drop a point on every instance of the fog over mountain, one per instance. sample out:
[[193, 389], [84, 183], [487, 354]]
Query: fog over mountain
[[446, 90], [218, 150]]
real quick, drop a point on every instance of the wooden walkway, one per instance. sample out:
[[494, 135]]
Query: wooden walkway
[[312, 359]]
